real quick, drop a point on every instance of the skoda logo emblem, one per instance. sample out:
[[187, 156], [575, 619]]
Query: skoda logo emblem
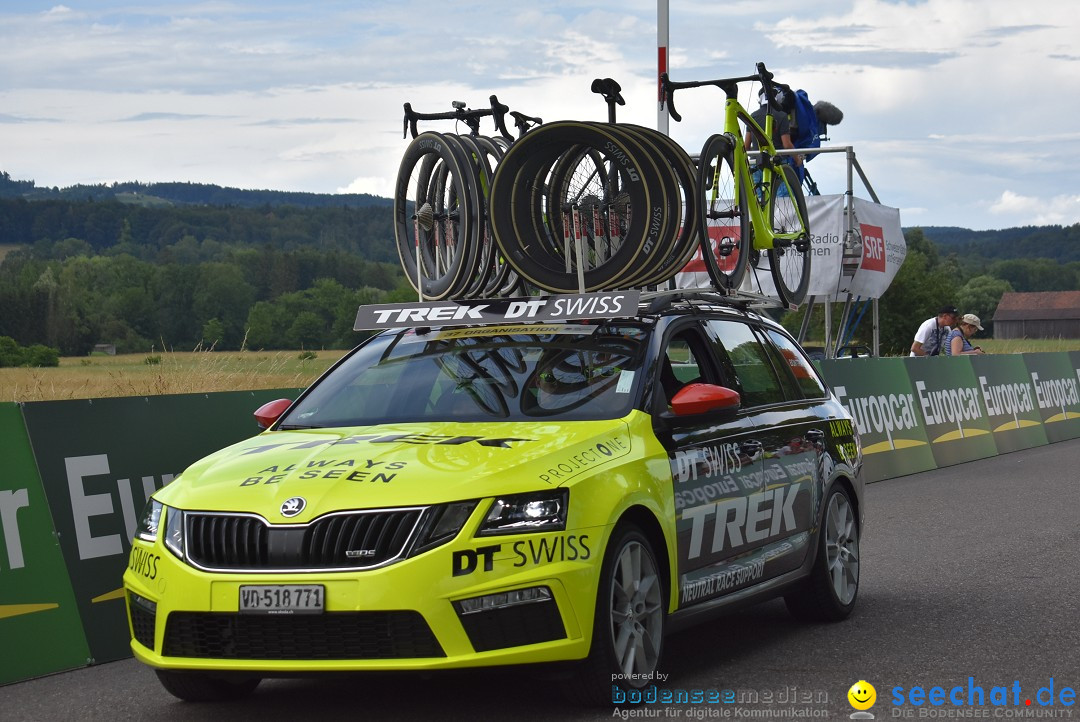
[[293, 506]]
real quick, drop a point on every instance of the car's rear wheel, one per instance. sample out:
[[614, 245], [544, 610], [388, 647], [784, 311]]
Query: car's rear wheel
[[628, 632], [829, 594], [199, 687]]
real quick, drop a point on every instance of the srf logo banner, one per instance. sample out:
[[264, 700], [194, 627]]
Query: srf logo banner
[[873, 257]]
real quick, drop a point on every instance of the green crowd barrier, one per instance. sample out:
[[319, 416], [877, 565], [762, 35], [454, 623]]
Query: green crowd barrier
[[40, 627], [94, 464], [880, 397], [915, 414], [78, 473]]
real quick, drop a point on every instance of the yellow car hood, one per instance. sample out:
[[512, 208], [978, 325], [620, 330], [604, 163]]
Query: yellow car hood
[[395, 465]]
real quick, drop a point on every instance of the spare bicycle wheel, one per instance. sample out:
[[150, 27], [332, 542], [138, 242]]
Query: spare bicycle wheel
[[435, 210], [523, 195]]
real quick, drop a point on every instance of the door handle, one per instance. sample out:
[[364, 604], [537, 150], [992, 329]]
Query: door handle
[[751, 447], [814, 435]]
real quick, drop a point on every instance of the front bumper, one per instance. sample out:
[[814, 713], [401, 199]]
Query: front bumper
[[407, 615]]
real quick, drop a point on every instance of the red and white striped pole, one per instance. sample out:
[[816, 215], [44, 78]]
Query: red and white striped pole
[[661, 62]]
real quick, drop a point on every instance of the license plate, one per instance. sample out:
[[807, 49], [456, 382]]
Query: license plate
[[282, 598]]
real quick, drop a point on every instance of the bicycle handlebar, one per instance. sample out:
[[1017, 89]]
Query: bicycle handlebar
[[471, 118], [728, 85]]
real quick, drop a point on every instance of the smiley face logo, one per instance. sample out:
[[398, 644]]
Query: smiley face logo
[[862, 695]]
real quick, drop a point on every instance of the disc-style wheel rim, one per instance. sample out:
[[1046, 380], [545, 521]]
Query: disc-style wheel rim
[[636, 611], [842, 548]]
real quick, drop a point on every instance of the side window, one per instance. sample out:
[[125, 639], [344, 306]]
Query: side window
[[683, 362], [801, 368], [742, 352]]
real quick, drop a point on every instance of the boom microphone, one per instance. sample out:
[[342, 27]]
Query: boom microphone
[[828, 113]]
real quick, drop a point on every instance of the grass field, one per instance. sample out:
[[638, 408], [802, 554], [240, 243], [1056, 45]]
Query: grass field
[[101, 376], [1026, 345]]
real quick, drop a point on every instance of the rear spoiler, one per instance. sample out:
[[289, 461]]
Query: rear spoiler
[[473, 312]]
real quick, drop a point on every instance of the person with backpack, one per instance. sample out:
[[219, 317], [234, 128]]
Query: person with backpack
[[781, 129], [930, 338]]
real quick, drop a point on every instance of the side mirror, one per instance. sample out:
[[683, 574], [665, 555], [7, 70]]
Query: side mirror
[[703, 398], [271, 411]]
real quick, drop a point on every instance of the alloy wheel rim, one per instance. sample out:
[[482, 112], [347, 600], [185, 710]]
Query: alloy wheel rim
[[842, 549], [636, 611]]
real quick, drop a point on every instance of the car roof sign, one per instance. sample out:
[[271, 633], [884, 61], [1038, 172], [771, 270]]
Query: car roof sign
[[567, 307]]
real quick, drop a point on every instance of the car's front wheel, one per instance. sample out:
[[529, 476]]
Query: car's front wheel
[[199, 687], [828, 595], [628, 632]]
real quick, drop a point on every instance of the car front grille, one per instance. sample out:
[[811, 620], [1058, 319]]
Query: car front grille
[[336, 635], [345, 540]]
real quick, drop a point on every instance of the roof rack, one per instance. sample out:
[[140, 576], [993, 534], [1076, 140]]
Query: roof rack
[[661, 300]]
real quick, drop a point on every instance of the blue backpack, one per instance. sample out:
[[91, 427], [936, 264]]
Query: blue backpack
[[807, 131]]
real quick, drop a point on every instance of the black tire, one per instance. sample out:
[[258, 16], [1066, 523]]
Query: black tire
[[830, 592], [640, 618], [201, 687], [789, 261], [481, 159], [724, 215]]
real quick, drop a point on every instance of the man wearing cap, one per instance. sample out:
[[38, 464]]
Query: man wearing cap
[[930, 338], [957, 343]]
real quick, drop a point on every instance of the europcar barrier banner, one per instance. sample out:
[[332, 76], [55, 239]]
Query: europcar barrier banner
[[951, 406], [100, 460], [886, 411], [40, 628], [1010, 402], [1057, 393]]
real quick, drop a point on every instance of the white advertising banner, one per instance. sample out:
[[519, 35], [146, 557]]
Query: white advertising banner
[[875, 257], [883, 250]]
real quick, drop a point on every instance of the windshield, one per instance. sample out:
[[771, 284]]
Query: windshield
[[570, 371]]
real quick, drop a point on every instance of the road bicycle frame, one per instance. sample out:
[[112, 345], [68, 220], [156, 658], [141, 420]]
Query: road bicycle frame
[[764, 237]]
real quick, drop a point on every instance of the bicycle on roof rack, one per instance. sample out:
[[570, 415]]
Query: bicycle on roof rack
[[750, 210]]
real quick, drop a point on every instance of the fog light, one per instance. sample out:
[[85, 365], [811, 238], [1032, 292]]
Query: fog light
[[143, 603], [504, 599]]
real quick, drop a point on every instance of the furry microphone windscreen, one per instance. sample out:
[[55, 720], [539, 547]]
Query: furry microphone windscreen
[[828, 113]]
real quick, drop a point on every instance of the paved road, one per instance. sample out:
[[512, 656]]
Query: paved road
[[969, 571]]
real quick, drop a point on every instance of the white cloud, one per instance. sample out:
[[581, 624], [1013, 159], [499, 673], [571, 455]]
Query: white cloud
[[1028, 210], [947, 102]]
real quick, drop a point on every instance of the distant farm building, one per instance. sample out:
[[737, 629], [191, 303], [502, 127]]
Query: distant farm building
[[1048, 314]]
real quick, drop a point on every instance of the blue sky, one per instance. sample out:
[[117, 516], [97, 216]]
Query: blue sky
[[961, 112]]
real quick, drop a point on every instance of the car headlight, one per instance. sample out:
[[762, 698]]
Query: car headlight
[[443, 524], [522, 513], [147, 530], [174, 531]]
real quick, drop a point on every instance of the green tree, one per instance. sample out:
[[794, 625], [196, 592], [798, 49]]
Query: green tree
[[213, 332], [923, 284], [306, 331], [222, 293], [980, 296]]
